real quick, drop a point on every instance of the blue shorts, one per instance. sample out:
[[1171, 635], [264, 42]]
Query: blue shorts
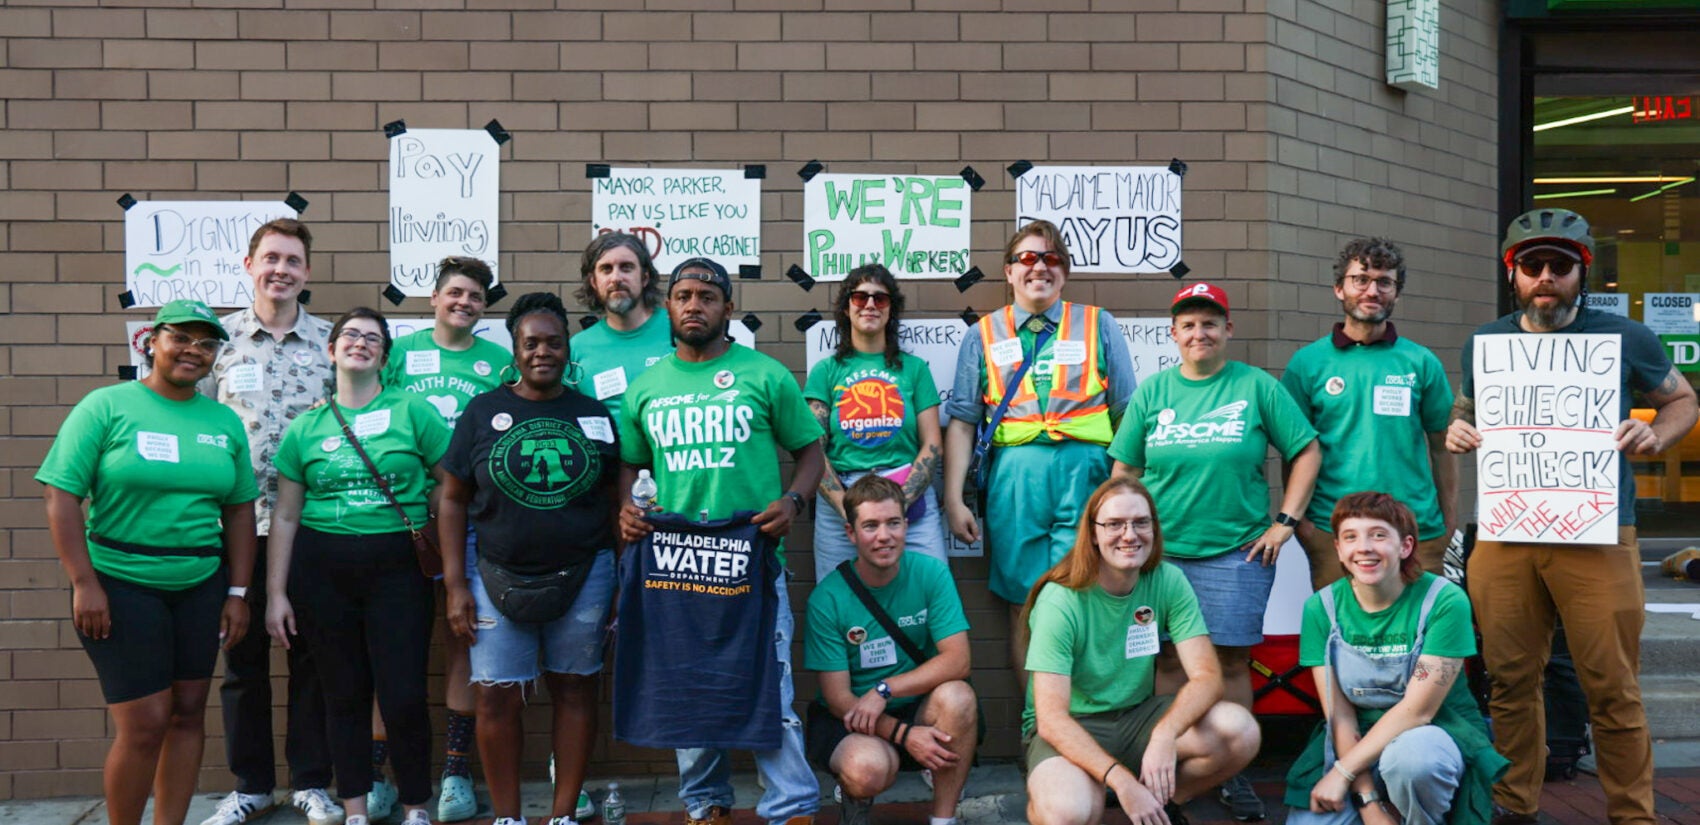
[[1232, 594], [508, 652]]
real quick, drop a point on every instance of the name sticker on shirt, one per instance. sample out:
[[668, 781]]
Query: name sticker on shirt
[[598, 428], [1141, 640], [1069, 353], [1393, 401], [245, 378], [1006, 352], [424, 362], [879, 653], [157, 446], [610, 383], [372, 423]]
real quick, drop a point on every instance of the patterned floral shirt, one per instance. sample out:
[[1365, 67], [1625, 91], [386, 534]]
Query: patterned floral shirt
[[268, 381]]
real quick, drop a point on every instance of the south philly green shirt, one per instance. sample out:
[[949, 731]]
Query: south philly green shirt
[[446, 378]]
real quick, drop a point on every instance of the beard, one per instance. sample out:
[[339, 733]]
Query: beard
[[619, 303], [1548, 317], [700, 338], [1355, 310]]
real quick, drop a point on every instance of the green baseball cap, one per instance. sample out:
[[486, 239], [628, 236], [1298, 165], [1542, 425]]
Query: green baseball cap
[[189, 311]]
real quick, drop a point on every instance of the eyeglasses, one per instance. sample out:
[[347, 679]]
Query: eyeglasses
[[860, 299], [179, 338], [372, 339], [1364, 282], [1029, 258], [1531, 265], [1121, 525]]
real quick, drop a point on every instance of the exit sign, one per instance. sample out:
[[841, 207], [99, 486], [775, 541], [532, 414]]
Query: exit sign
[[1656, 109]]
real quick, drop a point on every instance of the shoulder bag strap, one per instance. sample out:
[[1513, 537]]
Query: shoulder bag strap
[[383, 485], [990, 428], [848, 570]]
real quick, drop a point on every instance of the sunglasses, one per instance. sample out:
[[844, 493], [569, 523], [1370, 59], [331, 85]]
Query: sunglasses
[[1531, 265], [860, 300], [1029, 258]]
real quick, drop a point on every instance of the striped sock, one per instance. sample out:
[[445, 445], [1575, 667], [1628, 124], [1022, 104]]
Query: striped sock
[[459, 745]]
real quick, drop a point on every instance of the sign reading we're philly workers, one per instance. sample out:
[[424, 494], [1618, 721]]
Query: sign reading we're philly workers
[[1113, 218], [682, 214], [193, 249], [443, 201], [915, 225]]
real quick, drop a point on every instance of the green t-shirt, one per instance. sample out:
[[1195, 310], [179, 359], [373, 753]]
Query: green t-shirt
[[606, 360], [157, 473], [712, 430], [1373, 408], [844, 635], [874, 409], [1202, 445], [447, 378], [1392, 631], [405, 437], [1107, 645]]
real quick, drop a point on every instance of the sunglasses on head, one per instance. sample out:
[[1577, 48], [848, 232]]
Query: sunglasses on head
[[860, 299], [1531, 265], [1029, 258]]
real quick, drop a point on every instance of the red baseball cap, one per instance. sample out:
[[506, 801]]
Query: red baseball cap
[[1199, 294]]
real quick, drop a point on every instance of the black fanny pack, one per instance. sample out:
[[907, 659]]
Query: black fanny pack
[[534, 599]]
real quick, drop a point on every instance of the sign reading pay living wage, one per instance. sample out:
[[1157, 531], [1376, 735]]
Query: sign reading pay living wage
[[1113, 218], [193, 249], [443, 201], [1548, 408], [681, 214], [915, 225]]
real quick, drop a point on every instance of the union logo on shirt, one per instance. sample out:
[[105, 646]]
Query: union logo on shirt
[[870, 411]]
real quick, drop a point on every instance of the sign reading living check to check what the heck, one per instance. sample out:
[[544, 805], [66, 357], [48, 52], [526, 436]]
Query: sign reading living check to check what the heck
[[682, 214], [193, 249], [1548, 408]]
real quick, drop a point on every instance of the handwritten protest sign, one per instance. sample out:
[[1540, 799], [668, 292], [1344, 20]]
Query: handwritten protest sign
[[1114, 218], [682, 213], [443, 201], [493, 330], [193, 249], [1547, 407], [915, 225]]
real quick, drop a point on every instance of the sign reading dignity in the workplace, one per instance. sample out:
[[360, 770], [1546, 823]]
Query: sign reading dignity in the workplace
[[193, 249], [443, 201], [1547, 407], [682, 213], [915, 225], [1114, 218]]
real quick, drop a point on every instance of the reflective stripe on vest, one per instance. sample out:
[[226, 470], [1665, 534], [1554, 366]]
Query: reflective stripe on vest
[[1078, 407]]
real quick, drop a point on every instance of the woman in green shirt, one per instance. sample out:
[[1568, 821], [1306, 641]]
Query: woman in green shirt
[[160, 566], [343, 571]]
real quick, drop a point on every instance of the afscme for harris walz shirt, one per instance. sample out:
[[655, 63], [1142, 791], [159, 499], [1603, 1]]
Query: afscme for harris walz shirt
[[694, 664]]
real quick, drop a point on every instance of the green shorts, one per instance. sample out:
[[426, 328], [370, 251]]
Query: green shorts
[[1122, 734]]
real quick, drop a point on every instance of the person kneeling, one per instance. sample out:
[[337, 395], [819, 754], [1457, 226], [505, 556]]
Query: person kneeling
[[893, 695], [1403, 741], [1092, 720]]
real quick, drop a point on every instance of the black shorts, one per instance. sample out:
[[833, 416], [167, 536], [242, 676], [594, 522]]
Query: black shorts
[[158, 636], [825, 731]]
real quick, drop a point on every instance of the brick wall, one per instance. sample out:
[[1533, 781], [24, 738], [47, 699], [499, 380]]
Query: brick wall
[[1277, 105]]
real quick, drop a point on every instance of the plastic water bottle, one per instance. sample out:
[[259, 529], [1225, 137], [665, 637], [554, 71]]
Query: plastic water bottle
[[643, 491], [613, 805]]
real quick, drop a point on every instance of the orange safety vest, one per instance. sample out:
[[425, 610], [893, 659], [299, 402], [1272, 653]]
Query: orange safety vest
[[1077, 407]]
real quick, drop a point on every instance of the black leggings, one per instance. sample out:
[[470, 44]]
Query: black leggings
[[366, 611]]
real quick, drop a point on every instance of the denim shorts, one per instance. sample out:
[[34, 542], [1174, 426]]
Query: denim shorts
[[508, 651], [1232, 594]]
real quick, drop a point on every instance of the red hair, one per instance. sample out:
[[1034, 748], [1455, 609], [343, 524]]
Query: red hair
[[1382, 507]]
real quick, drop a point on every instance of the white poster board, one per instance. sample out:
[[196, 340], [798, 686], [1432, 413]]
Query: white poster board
[[493, 329], [682, 214], [1547, 407], [915, 225], [193, 249], [1670, 313], [443, 201], [1114, 218], [1616, 303]]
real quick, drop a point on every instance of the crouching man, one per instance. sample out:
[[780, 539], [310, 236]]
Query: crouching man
[[889, 637]]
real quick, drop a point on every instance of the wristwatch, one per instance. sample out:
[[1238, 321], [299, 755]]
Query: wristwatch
[[1364, 800], [1286, 521], [797, 499], [883, 689]]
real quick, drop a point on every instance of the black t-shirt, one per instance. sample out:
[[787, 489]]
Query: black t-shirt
[[543, 476]]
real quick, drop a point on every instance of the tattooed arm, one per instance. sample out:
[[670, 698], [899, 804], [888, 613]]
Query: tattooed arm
[[831, 486], [1424, 694], [926, 464], [1676, 412]]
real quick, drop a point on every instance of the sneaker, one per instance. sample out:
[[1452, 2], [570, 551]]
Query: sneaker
[[417, 816], [585, 810], [855, 811], [317, 806], [1176, 814], [380, 801], [240, 807], [508, 820], [455, 799], [561, 820], [356, 819], [1241, 801], [715, 815]]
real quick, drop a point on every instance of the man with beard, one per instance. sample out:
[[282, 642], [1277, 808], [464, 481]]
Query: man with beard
[[707, 421], [1380, 404], [621, 283], [1519, 590]]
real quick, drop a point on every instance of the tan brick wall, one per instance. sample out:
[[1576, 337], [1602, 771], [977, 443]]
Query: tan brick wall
[[1277, 105]]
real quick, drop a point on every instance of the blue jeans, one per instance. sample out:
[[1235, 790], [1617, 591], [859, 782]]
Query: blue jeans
[[1418, 772], [705, 775], [507, 651], [925, 534]]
